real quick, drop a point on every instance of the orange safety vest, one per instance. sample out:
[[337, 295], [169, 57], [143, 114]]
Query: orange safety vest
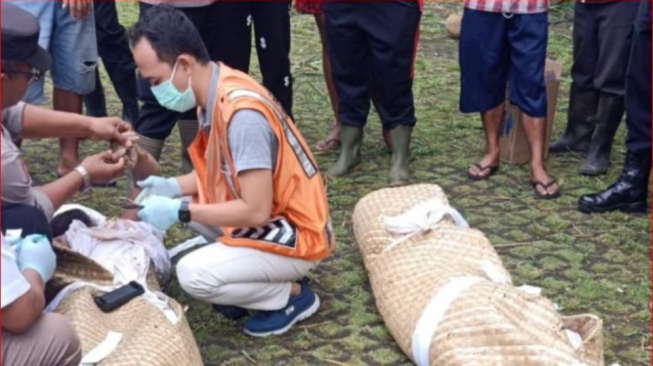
[[300, 225]]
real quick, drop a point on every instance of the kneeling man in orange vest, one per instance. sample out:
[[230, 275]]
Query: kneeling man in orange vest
[[254, 178]]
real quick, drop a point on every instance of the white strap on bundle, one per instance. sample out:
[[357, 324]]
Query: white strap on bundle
[[102, 350], [433, 314], [419, 219]]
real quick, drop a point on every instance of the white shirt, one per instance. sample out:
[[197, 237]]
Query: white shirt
[[14, 284]]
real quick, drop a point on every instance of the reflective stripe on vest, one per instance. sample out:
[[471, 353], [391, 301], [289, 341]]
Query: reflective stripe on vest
[[307, 164]]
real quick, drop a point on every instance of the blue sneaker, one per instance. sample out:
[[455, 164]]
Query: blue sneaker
[[231, 312], [266, 323]]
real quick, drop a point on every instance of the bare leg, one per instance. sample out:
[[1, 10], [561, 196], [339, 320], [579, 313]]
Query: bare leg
[[535, 129], [67, 101], [334, 135], [492, 120]]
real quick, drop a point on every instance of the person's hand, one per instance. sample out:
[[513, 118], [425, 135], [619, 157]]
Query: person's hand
[[160, 212], [112, 129], [79, 9], [102, 168], [158, 186], [35, 252]]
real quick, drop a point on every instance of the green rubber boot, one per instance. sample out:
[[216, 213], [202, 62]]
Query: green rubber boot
[[351, 139], [399, 170]]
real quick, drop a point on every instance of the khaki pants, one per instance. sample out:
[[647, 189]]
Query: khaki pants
[[245, 277], [51, 341]]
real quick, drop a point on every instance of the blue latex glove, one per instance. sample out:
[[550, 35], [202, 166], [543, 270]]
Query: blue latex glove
[[161, 212], [35, 252], [158, 186]]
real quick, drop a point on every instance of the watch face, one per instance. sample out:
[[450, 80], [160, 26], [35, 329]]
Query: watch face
[[184, 213]]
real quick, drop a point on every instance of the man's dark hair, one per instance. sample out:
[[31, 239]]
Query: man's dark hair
[[170, 33], [61, 223]]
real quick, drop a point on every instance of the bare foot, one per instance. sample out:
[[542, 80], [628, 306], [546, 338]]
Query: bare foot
[[66, 166]]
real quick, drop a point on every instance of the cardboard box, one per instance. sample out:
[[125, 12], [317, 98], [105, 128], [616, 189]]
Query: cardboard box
[[513, 143]]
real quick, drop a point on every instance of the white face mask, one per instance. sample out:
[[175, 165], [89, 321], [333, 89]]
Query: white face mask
[[171, 98]]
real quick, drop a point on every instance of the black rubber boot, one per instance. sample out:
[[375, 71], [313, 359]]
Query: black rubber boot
[[351, 140], [629, 193], [583, 105], [608, 117], [399, 170]]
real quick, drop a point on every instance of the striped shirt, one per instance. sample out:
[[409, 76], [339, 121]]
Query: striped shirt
[[509, 6]]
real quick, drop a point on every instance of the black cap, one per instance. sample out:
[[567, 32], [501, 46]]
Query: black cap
[[20, 38]]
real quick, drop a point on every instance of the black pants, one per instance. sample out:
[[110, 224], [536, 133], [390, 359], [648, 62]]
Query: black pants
[[113, 49], [271, 21], [602, 38], [155, 121], [29, 219], [373, 41], [638, 83]]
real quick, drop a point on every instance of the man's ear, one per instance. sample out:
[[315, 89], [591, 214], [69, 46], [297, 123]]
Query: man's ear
[[186, 62]]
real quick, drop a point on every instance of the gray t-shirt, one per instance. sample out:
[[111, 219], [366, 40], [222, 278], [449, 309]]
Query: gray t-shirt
[[252, 142], [16, 180]]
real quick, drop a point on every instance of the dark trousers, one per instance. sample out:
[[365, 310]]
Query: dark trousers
[[29, 219], [373, 41], [113, 49], [602, 37], [638, 83], [271, 22], [155, 121]]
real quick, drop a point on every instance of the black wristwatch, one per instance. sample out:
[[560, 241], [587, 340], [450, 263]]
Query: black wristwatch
[[184, 212]]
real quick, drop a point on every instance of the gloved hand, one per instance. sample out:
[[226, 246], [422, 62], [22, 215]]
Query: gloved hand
[[158, 186], [35, 252], [161, 212]]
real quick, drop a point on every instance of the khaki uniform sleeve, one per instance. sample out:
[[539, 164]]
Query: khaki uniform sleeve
[[16, 180], [12, 119]]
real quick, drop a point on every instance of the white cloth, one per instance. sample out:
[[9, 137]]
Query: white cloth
[[419, 219], [14, 284], [123, 247], [245, 277], [120, 242]]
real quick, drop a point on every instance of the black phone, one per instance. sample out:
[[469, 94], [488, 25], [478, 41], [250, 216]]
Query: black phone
[[119, 297]]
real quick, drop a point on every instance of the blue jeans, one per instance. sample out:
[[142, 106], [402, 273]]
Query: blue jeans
[[72, 45]]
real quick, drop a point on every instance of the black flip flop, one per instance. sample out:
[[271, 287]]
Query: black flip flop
[[477, 177], [548, 196]]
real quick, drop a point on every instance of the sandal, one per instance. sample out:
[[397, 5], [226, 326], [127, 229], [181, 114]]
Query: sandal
[[547, 196], [332, 143], [478, 177]]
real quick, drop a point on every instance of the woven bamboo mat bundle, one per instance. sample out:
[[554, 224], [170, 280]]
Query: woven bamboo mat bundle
[[148, 336], [369, 212], [443, 248], [447, 299]]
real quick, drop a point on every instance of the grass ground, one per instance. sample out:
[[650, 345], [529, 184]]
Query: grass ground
[[598, 264]]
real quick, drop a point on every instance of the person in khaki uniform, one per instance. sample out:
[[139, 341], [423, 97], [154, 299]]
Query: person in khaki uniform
[[23, 61], [29, 337]]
